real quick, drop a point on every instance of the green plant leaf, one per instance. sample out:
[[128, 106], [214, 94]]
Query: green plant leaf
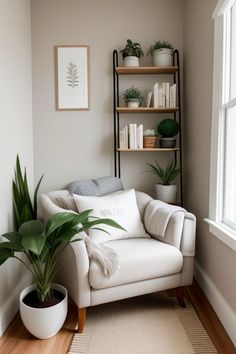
[[13, 237], [33, 243], [13, 246], [5, 254], [108, 222], [59, 219], [33, 227], [35, 195]]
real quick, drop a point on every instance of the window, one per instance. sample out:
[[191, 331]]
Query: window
[[222, 216]]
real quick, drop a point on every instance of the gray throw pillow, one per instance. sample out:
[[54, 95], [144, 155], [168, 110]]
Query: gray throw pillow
[[95, 187]]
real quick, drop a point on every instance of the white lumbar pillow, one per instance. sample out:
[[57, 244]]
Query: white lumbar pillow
[[119, 206]]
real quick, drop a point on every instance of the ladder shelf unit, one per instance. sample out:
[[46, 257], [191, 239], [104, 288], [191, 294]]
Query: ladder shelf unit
[[117, 110]]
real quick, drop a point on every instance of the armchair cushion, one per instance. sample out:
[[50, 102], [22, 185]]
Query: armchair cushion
[[140, 259], [121, 207], [96, 187]]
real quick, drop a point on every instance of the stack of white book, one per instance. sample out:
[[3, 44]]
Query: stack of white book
[[131, 137], [164, 95]]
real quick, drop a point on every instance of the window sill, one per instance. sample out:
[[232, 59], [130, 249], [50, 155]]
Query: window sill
[[223, 233]]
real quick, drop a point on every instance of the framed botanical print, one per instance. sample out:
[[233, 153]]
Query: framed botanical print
[[72, 86]]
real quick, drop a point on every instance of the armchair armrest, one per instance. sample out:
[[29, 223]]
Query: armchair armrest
[[73, 274], [187, 246], [177, 225]]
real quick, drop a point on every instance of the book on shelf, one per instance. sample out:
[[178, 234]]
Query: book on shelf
[[131, 137], [149, 98], [164, 95], [173, 96]]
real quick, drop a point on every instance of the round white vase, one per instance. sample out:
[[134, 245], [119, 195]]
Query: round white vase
[[131, 61], [162, 57], [166, 194], [133, 104], [45, 322]]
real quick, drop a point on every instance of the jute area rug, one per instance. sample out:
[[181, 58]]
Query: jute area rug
[[149, 324]]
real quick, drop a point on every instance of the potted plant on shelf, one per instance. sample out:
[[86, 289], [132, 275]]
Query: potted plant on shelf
[[149, 138], [166, 191], [133, 97], [162, 53], [131, 53], [168, 129]]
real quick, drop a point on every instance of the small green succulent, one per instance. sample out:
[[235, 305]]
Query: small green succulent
[[132, 49], [159, 45], [133, 94]]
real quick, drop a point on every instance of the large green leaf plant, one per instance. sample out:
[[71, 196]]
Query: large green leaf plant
[[43, 244]]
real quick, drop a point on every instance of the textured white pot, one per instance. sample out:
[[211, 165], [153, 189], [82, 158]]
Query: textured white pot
[[131, 61], [166, 193], [44, 322], [162, 57], [132, 104]]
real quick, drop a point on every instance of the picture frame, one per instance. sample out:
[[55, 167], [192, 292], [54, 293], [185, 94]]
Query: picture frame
[[72, 77]]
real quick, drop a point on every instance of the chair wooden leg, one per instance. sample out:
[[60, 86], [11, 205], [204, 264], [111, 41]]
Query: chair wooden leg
[[180, 296], [81, 319]]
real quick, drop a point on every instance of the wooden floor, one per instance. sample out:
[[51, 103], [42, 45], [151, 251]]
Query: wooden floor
[[17, 340]]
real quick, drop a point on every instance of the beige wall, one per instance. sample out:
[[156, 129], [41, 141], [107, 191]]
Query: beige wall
[[216, 260], [15, 132], [72, 145]]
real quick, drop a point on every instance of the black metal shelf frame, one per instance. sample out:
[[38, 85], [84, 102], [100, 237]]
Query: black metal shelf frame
[[116, 118]]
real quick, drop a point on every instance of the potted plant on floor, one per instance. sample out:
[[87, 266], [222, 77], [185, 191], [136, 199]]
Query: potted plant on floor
[[133, 97], [43, 306], [168, 129], [131, 53], [162, 53], [165, 191]]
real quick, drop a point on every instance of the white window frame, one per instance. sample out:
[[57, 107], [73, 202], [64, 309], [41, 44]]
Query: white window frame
[[225, 233]]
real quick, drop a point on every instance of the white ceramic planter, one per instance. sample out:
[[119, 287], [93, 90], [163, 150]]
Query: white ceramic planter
[[166, 194], [131, 61], [132, 104], [44, 322], [162, 57]]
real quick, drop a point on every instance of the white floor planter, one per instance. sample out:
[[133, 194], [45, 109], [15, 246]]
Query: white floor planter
[[166, 194], [131, 61], [44, 322], [162, 57]]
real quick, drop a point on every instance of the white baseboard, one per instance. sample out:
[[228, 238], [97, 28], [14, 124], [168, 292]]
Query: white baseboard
[[223, 310], [11, 305]]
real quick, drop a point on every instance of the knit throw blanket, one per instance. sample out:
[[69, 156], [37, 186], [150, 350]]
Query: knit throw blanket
[[105, 256]]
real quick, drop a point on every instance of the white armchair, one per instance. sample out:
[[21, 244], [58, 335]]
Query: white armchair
[[146, 264]]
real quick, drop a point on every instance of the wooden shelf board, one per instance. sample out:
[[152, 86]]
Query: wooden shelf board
[[146, 110], [148, 149], [134, 70]]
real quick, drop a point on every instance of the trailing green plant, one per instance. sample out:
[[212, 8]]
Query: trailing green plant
[[43, 244], [159, 45], [168, 128], [166, 175], [132, 49], [133, 94], [24, 209]]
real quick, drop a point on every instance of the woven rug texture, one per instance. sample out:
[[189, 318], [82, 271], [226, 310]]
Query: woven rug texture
[[149, 324]]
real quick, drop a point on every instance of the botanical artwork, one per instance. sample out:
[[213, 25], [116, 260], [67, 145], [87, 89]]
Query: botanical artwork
[[72, 78], [72, 75]]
